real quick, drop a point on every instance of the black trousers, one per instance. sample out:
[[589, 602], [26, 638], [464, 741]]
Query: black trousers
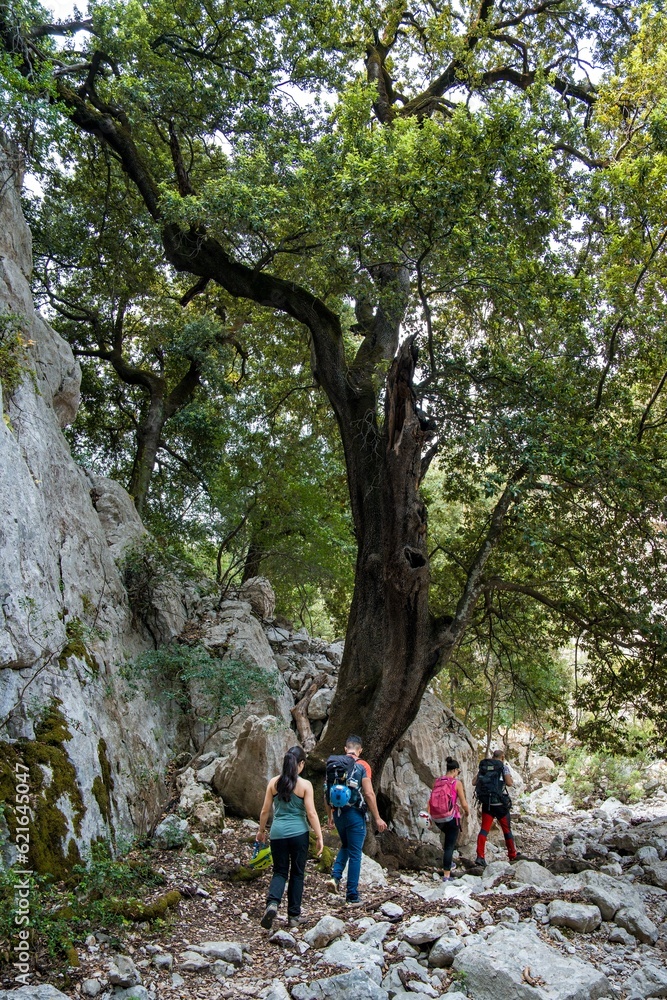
[[450, 828], [289, 865]]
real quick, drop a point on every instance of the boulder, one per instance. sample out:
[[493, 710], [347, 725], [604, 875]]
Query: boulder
[[234, 632], [276, 992], [630, 838], [646, 856], [634, 920], [444, 951], [355, 985], [163, 960], [508, 915], [209, 814], [603, 891], [497, 871], [580, 917], [283, 939], [193, 961], [410, 969], [41, 991], [494, 969], [206, 773], [371, 874], [118, 516], [548, 800], [227, 951], [190, 790], [648, 981], [530, 873], [619, 935], [320, 703], [326, 930], [376, 933], [540, 768], [427, 930], [171, 833], [260, 595], [257, 756], [655, 872], [350, 954], [123, 972]]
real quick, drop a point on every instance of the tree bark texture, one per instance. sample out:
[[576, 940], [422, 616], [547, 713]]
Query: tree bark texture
[[391, 651]]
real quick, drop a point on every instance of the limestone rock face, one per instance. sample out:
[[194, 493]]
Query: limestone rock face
[[65, 622]]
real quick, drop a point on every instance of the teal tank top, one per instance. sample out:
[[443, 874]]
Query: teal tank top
[[289, 818]]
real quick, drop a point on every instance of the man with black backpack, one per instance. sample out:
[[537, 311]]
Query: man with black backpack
[[493, 779], [349, 794]]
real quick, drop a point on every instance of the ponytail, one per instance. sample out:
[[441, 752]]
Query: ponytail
[[290, 773]]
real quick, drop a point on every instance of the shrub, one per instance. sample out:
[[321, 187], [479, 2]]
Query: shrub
[[590, 776], [14, 362], [208, 689]]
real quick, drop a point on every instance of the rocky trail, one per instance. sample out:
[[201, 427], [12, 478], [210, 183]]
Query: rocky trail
[[583, 918]]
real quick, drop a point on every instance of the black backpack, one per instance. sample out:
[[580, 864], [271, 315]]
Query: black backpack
[[342, 785], [490, 789]]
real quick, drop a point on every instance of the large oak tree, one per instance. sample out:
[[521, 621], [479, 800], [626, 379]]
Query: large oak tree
[[441, 167]]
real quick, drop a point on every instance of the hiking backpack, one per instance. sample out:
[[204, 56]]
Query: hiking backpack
[[442, 804], [490, 786], [342, 785]]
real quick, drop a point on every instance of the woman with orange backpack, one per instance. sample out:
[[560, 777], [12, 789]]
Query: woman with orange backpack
[[447, 800]]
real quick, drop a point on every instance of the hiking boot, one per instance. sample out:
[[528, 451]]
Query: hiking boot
[[354, 902], [295, 921], [269, 916], [519, 857], [333, 884], [481, 862]]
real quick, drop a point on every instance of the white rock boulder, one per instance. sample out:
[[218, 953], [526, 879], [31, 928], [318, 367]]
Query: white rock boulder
[[494, 969]]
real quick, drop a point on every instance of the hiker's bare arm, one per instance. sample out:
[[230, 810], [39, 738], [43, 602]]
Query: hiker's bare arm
[[509, 780], [460, 791], [313, 818], [266, 812], [369, 795]]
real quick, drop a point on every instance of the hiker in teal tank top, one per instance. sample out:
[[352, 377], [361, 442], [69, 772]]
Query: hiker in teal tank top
[[293, 813]]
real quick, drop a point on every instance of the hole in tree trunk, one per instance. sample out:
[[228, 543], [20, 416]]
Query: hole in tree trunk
[[416, 559]]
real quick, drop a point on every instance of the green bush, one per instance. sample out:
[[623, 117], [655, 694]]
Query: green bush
[[14, 361], [590, 776], [227, 683]]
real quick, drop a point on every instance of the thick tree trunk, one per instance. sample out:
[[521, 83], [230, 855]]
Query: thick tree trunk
[[391, 651], [148, 437]]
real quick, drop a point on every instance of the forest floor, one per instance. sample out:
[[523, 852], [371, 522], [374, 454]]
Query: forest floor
[[214, 909]]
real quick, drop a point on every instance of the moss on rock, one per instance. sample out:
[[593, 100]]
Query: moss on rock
[[74, 630], [132, 909], [325, 862], [52, 779]]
